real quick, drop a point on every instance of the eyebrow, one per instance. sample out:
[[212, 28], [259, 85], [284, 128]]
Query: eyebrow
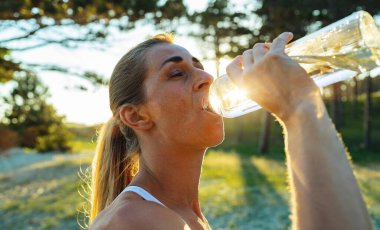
[[177, 59]]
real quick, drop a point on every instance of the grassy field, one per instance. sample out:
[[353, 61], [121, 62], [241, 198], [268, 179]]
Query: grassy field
[[238, 191], [42, 194]]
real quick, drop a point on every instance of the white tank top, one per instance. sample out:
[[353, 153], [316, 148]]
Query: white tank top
[[143, 193]]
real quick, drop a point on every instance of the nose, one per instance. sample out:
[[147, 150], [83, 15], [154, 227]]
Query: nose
[[203, 79]]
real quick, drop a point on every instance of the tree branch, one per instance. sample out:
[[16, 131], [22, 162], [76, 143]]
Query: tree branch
[[41, 26], [27, 35], [63, 42], [90, 76]]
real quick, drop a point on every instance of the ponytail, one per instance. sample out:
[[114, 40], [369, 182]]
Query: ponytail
[[116, 158], [114, 165]]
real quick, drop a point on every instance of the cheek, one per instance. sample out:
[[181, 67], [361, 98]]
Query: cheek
[[170, 105]]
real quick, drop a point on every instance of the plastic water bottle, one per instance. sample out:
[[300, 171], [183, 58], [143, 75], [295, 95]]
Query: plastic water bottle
[[346, 48]]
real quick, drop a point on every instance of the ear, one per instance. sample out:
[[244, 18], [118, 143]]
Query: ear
[[135, 117]]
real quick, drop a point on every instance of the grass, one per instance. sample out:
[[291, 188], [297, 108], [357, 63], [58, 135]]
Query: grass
[[257, 188], [84, 137], [237, 191], [241, 192], [43, 195], [239, 188], [82, 146]]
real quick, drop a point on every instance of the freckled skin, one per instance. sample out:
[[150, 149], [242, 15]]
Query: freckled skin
[[176, 103]]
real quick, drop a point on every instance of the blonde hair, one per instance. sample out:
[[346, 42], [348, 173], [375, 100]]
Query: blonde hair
[[116, 159]]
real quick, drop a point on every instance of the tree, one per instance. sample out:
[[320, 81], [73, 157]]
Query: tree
[[227, 32], [337, 106], [355, 94], [35, 121], [7, 66], [367, 122], [71, 22], [8, 138], [265, 133], [301, 17], [25, 101]]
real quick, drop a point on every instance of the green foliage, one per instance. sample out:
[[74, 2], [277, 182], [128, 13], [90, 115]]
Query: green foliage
[[225, 30], [85, 12], [56, 138], [352, 129], [36, 24], [7, 66], [79, 146], [302, 16], [84, 137], [36, 122], [27, 101], [242, 133]]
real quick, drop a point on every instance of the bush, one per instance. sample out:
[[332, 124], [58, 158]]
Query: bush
[[8, 138], [57, 138], [29, 136]]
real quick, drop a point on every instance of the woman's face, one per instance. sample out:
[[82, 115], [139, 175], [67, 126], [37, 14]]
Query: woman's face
[[176, 89]]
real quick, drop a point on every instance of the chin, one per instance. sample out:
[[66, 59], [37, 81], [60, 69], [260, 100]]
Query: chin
[[216, 137], [217, 143]]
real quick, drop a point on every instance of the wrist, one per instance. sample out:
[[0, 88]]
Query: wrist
[[304, 111]]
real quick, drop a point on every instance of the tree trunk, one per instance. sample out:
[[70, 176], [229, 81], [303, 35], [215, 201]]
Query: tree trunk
[[337, 106], [217, 55], [217, 64], [265, 133], [367, 114], [240, 130], [355, 93]]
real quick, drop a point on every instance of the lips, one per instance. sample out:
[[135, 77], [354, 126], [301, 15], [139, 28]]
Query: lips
[[206, 105]]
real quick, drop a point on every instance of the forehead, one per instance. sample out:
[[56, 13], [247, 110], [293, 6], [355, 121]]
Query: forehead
[[159, 53]]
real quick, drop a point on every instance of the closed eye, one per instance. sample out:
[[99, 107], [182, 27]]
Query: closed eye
[[177, 73]]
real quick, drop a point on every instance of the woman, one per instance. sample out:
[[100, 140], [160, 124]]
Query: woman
[[162, 123]]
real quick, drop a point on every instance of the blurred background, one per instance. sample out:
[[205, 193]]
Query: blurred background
[[56, 58]]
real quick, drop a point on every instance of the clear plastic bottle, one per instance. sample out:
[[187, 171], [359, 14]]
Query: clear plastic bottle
[[334, 53]]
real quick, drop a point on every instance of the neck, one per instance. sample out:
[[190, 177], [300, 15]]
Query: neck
[[171, 174]]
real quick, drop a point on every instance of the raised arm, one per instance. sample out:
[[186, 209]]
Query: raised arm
[[325, 194]]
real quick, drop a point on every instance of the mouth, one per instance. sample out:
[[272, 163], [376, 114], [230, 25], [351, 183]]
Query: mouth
[[207, 107]]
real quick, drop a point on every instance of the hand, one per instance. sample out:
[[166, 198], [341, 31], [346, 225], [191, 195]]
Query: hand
[[272, 79]]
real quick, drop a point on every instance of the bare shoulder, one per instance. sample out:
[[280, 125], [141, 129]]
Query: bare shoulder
[[126, 213]]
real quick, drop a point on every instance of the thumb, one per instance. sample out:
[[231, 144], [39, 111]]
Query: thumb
[[235, 69]]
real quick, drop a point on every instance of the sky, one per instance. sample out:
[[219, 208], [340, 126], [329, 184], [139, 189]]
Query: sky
[[92, 106]]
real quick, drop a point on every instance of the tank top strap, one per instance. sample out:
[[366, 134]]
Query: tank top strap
[[143, 193]]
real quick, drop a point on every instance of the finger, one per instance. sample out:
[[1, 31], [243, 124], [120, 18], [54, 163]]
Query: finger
[[235, 68], [247, 58], [280, 42], [258, 51], [268, 45]]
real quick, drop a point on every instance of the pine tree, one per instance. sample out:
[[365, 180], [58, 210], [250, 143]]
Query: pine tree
[[34, 120]]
